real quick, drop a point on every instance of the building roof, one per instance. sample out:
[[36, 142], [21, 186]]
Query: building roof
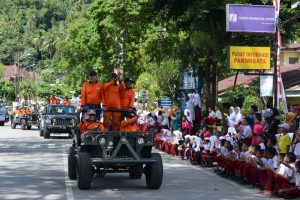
[[290, 77], [294, 47], [12, 70]]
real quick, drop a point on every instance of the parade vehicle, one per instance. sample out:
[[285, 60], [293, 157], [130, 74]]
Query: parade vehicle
[[57, 119], [4, 117], [97, 153], [25, 120]]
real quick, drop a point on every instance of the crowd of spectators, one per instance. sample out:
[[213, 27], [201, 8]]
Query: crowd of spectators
[[261, 150]]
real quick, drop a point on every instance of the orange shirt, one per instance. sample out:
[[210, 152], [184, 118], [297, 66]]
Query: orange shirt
[[112, 95], [17, 112], [90, 125], [127, 98], [52, 100], [66, 102], [129, 125], [91, 93]]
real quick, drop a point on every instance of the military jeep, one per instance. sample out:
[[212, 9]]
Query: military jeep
[[25, 121], [57, 119], [98, 153]]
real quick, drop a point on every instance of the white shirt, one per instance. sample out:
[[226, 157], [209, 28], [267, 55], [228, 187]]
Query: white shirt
[[273, 162], [246, 132], [223, 151], [285, 171], [159, 119], [219, 115], [245, 154], [297, 149], [212, 114], [206, 146], [165, 121], [150, 121], [213, 142], [262, 146], [297, 180]]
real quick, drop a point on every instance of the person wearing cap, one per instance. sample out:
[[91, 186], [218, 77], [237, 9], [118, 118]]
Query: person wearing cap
[[129, 123], [92, 95], [90, 123], [127, 95], [112, 100], [284, 140]]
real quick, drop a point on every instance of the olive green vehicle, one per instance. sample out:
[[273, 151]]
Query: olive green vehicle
[[97, 153]]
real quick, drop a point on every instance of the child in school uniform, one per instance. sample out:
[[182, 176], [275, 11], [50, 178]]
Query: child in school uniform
[[260, 141], [285, 173], [289, 191], [240, 163]]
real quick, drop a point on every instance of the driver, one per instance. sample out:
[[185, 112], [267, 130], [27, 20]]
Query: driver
[[90, 123], [129, 123]]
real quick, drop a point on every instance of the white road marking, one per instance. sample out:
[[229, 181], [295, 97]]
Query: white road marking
[[69, 191]]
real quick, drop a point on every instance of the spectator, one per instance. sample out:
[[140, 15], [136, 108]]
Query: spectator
[[252, 115], [284, 140], [186, 126], [257, 129], [274, 122]]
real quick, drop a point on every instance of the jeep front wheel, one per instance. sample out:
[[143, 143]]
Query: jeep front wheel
[[41, 132], [13, 125], [136, 172], [72, 164], [29, 127], [84, 171], [46, 134], [154, 172], [23, 123]]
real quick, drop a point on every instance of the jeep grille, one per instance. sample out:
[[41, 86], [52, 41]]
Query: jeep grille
[[63, 122]]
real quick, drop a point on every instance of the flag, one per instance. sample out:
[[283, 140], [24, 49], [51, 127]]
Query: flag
[[281, 98]]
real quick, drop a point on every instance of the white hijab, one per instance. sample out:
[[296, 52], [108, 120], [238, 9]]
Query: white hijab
[[232, 118], [197, 100], [239, 117]]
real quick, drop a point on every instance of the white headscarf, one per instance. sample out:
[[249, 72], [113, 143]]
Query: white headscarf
[[190, 107], [232, 118], [239, 117], [197, 100]]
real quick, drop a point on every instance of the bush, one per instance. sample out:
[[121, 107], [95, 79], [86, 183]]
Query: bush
[[249, 101]]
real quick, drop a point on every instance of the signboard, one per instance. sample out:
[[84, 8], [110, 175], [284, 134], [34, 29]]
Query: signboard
[[189, 79], [266, 86], [250, 18], [249, 58], [165, 102]]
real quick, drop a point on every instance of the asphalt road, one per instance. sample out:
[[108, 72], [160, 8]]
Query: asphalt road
[[32, 167]]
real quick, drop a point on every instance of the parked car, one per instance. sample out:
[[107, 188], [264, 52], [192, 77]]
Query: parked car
[[4, 117]]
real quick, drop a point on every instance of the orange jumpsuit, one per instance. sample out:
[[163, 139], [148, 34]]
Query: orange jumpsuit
[[88, 125], [17, 112], [91, 93], [66, 102], [24, 111], [129, 125], [52, 100], [112, 100], [127, 97]]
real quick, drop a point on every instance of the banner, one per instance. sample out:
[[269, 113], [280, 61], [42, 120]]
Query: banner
[[189, 80], [250, 18], [251, 58], [266, 86]]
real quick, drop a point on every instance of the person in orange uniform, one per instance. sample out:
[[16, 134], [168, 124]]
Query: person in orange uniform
[[66, 102], [127, 96], [92, 95], [90, 123], [17, 111], [129, 123], [112, 100], [23, 111], [52, 99]]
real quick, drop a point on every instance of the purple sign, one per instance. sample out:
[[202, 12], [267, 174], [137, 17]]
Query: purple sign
[[250, 18]]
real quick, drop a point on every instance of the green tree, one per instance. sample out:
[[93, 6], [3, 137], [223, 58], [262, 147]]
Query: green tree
[[7, 91]]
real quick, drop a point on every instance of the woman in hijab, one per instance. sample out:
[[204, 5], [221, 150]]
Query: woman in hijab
[[239, 116], [231, 119], [197, 109], [290, 120]]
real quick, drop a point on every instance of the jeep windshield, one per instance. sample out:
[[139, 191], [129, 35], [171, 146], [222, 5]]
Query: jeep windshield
[[61, 110]]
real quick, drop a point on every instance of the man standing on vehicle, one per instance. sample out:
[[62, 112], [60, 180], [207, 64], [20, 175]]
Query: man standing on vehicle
[[129, 123], [127, 96], [66, 101], [91, 95], [90, 123], [112, 100]]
